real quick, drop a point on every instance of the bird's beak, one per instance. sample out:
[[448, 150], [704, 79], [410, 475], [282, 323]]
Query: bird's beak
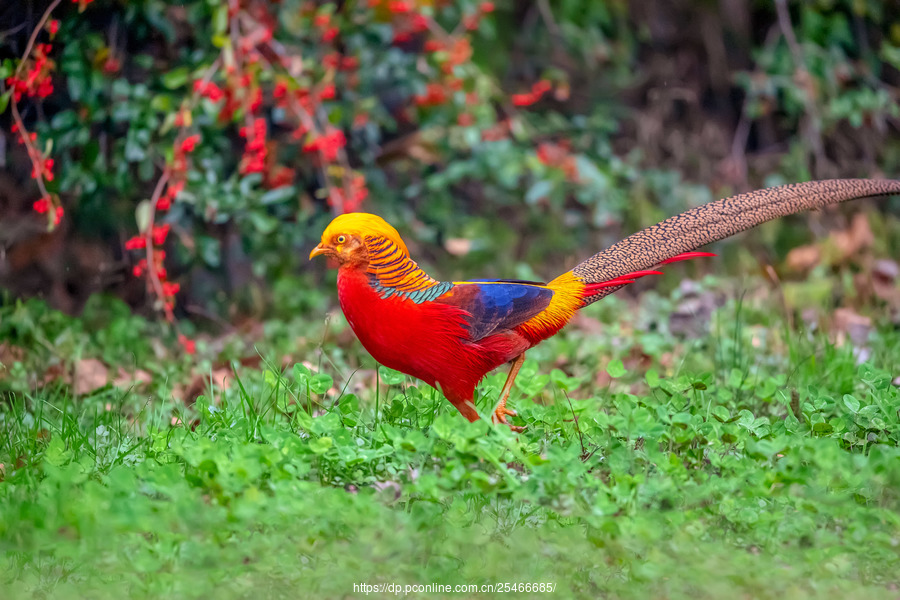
[[320, 249]]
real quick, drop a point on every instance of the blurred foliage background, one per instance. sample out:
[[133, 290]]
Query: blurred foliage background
[[502, 139], [733, 434]]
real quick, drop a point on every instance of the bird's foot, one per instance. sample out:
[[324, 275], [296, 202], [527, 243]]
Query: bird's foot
[[500, 415]]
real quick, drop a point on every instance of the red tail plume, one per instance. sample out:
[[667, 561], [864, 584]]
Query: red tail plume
[[687, 256], [592, 288]]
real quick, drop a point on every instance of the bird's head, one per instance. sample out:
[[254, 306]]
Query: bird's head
[[346, 237]]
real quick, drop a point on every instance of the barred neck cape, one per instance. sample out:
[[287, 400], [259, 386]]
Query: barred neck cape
[[393, 272], [450, 334]]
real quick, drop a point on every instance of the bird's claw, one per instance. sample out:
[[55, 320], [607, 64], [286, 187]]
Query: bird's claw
[[500, 415]]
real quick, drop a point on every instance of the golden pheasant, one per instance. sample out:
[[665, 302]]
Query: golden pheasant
[[450, 334]]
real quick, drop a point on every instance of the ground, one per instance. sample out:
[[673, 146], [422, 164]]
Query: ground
[[706, 443]]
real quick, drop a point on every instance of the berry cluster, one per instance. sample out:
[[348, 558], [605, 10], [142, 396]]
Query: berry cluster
[[559, 156], [36, 81], [33, 79], [283, 93]]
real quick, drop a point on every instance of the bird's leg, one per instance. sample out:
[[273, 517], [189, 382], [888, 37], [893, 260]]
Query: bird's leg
[[501, 412]]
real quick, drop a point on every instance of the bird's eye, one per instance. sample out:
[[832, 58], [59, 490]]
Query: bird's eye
[[341, 239]]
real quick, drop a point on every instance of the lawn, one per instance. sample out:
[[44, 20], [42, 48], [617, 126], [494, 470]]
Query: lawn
[[750, 454]]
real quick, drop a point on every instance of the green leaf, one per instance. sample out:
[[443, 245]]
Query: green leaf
[[851, 403], [329, 423], [721, 413], [531, 386], [263, 223], [540, 189], [390, 376], [304, 420], [615, 368], [443, 426], [142, 215], [220, 19], [271, 378], [4, 100], [321, 445], [56, 453], [682, 419], [349, 404], [175, 78], [563, 382], [791, 423], [277, 195], [823, 428], [878, 379], [735, 378], [209, 250], [162, 103], [320, 383], [248, 184], [869, 411], [763, 449]]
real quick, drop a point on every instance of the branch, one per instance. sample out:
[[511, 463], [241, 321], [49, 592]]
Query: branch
[[34, 34]]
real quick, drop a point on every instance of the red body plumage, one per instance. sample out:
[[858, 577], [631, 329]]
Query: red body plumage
[[427, 340]]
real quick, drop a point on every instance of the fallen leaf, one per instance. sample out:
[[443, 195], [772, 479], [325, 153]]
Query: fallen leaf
[[856, 237], [54, 372], [888, 270], [667, 360], [219, 378], [90, 374], [458, 246], [9, 354], [849, 324], [884, 281], [200, 385], [126, 380], [810, 317], [803, 258], [390, 490], [602, 379]]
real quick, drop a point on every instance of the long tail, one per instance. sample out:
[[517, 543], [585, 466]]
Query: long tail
[[677, 237]]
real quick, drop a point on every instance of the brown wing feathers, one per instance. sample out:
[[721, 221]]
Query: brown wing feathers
[[717, 220]]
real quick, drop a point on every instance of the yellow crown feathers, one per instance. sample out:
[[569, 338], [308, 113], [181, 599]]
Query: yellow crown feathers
[[363, 225]]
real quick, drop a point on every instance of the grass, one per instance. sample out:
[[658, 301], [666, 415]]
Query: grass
[[755, 460]]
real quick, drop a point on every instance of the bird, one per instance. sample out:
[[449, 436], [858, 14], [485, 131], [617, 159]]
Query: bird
[[450, 334]]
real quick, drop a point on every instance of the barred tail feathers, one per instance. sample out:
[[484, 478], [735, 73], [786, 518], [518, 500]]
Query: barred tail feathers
[[678, 237]]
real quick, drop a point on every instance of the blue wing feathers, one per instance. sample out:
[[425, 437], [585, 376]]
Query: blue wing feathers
[[495, 305], [492, 305]]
